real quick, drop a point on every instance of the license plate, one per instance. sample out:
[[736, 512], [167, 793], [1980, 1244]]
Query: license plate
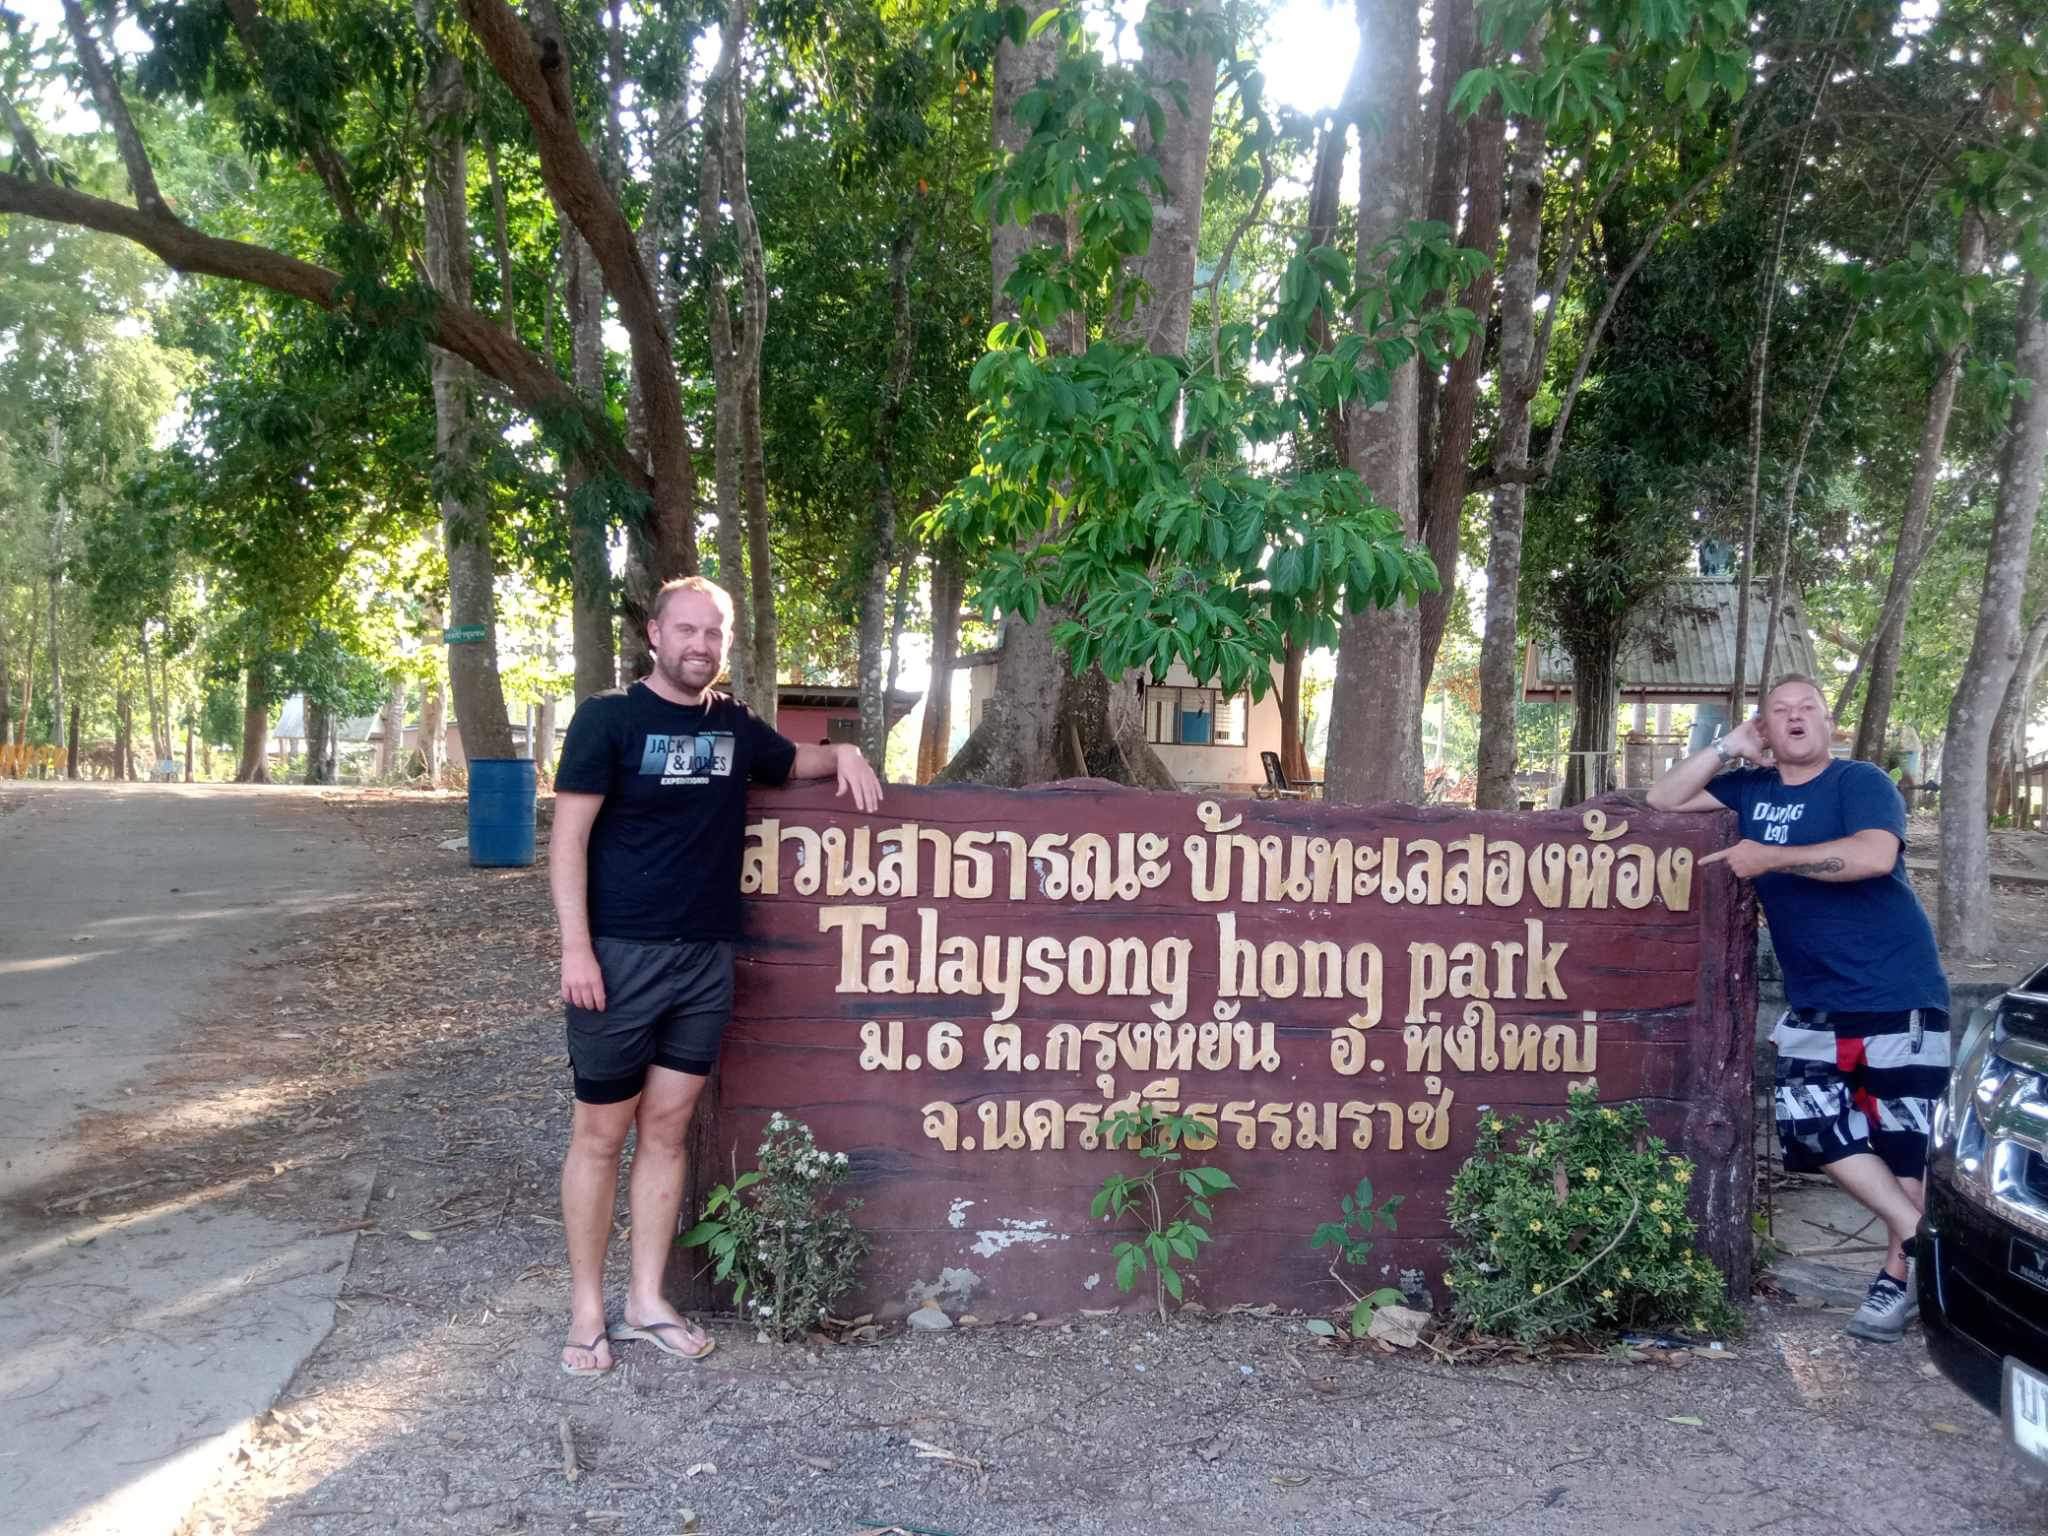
[[2029, 1262], [2026, 1409]]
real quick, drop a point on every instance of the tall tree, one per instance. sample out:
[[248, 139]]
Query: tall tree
[[1880, 672], [1964, 910], [1375, 750], [465, 523]]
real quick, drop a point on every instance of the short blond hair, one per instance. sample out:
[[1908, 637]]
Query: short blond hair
[[710, 589], [1790, 679]]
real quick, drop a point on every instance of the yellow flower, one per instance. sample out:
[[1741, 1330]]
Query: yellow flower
[[1494, 1126], [1535, 1226], [1683, 1175], [1592, 1173], [1496, 1234], [1536, 1289], [1666, 1226], [1698, 1326], [1627, 1274], [1608, 1294], [1450, 1282], [1657, 1205], [1608, 1114]]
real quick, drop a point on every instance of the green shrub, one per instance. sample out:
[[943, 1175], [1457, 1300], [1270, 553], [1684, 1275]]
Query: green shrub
[[1581, 1226], [771, 1234]]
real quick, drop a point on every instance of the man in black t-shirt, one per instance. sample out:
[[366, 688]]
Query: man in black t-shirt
[[650, 818]]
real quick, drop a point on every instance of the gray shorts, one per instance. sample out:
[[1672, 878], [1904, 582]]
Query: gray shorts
[[665, 1005]]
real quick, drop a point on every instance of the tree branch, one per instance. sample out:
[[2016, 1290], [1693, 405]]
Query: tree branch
[[113, 108], [25, 142], [538, 388], [537, 78]]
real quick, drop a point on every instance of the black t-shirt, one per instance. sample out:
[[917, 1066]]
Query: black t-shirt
[[665, 849]]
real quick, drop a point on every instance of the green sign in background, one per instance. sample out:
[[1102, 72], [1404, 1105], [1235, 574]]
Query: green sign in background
[[463, 634]]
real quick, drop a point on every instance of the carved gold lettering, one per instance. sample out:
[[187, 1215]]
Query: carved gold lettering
[[761, 862], [881, 1046], [850, 923]]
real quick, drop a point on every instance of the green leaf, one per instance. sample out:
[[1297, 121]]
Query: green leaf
[[1679, 73], [1127, 1268], [1170, 1280], [1321, 1327], [701, 1234], [1045, 19]]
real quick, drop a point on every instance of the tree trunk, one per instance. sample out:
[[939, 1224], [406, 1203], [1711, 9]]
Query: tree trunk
[[1444, 144], [465, 513], [1376, 704], [124, 734], [720, 86], [56, 650], [1873, 721], [899, 619], [391, 750], [591, 616], [189, 733], [28, 681], [255, 765], [71, 751], [936, 735], [6, 696], [738, 461], [1293, 751], [1966, 927], [433, 733], [1595, 690], [2009, 729], [1181, 74], [1500, 672], [544, 737], [760, 557], [320, 766], [159, 726], [1455, 408], [874, 592]]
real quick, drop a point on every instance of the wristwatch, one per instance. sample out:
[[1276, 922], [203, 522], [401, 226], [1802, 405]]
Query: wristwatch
[[1721, 751]]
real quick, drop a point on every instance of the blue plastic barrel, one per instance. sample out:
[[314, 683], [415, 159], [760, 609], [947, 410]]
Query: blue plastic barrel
[[501, 791]]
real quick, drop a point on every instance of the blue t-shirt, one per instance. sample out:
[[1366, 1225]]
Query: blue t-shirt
[[1854, 946]]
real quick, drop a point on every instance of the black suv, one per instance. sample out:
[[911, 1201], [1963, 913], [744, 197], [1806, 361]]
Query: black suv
[[1984, 1241]]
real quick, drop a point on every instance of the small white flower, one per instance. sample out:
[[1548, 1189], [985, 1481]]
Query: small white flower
[[841, 1157]]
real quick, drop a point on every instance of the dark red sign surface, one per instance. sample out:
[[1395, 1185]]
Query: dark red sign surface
[[958, 990]]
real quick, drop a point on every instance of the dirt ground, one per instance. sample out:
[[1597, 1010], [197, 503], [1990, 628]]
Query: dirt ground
[[416, 1033]]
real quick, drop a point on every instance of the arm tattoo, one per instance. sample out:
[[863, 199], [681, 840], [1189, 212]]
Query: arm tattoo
[[1816, 867]]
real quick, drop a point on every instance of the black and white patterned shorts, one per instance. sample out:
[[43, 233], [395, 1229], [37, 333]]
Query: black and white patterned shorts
[[1859, 1082]]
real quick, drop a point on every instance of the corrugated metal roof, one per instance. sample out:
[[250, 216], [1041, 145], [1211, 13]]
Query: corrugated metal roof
[[1681, 644]]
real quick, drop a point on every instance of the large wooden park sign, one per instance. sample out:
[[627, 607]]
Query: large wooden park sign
[[959, 990]]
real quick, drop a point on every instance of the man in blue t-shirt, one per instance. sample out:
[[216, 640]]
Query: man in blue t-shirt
[[1863, 1050], [650, 824]]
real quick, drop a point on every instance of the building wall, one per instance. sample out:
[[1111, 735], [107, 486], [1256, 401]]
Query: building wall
[[1236, 768], [807, 726]]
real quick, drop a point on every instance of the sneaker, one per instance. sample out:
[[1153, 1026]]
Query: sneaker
[[1886, 1309]]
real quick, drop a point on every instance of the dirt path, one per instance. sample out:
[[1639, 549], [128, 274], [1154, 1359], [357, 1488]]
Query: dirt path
[[435, 1405], [164, 1265]]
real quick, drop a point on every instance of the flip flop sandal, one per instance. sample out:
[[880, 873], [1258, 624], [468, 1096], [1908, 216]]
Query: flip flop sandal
[[652, 1333], [589, 1349]]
